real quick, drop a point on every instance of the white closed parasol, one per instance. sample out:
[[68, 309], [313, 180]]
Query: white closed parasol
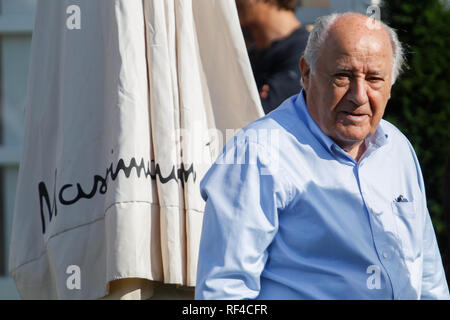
[[120, 127]]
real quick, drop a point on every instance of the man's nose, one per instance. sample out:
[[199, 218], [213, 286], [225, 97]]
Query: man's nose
[[358, 92]]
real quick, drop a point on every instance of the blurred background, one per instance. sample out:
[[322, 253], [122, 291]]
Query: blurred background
[[16, 27], [420, 104]]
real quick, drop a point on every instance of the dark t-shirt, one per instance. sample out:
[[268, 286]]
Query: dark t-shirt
[[278, 67]]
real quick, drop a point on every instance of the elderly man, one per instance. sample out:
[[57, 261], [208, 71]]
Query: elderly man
[[332, 205]]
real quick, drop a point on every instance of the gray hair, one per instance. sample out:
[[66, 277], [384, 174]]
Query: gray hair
[[320, 33]]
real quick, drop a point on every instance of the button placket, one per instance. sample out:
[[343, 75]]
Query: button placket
[[373, 215]]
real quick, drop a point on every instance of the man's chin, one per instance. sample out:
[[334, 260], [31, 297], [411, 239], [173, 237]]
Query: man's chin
[[349, 139], [353, 133]]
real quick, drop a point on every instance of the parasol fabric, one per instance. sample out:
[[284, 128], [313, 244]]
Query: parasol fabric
[[124, 116]]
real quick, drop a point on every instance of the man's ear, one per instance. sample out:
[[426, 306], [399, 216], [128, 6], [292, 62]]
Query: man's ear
[[305, 71]]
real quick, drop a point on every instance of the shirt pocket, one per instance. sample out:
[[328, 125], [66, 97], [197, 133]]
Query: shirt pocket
[[408, 229]]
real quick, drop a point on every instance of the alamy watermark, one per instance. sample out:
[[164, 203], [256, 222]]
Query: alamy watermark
[[73, 21], [374, 280], [374, 14], [73, 281], [236, 147]]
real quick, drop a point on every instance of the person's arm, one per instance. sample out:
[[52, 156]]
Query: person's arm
[[282, 79], [434, 283], [280, 86], [239, 223]]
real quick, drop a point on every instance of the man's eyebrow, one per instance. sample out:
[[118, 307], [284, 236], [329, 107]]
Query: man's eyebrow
[[342, 68], [370, 72], [375, 73]]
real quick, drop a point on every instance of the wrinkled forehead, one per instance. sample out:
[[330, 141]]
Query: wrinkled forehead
[[354, 42], [359, 32]]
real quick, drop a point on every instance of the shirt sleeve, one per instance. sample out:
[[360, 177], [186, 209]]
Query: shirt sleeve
[[239, 224], [434, 283]]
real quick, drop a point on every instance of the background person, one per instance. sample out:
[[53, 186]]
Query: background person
[[278, 42]]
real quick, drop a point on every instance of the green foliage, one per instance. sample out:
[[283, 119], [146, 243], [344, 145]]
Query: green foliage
[[420, 103]]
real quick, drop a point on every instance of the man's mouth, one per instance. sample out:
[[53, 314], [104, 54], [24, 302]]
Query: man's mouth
[[355, 117]]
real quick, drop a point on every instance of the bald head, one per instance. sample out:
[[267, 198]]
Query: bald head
[[353, 29], [354, 33], [356, 21]]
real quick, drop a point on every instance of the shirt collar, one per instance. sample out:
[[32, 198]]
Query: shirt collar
[[374, 141]]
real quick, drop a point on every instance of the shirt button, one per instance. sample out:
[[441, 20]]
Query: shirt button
[[385, 255]]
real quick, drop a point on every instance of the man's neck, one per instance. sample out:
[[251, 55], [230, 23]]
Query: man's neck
[[275, 25], [356, 151]]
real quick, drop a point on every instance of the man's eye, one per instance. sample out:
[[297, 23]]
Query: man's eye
[[342, 76], [341, 79]]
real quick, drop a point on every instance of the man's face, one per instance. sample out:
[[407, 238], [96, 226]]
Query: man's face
[[349, 91], [246, 11]]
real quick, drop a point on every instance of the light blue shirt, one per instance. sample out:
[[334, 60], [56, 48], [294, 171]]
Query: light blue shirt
[[290, 215]]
